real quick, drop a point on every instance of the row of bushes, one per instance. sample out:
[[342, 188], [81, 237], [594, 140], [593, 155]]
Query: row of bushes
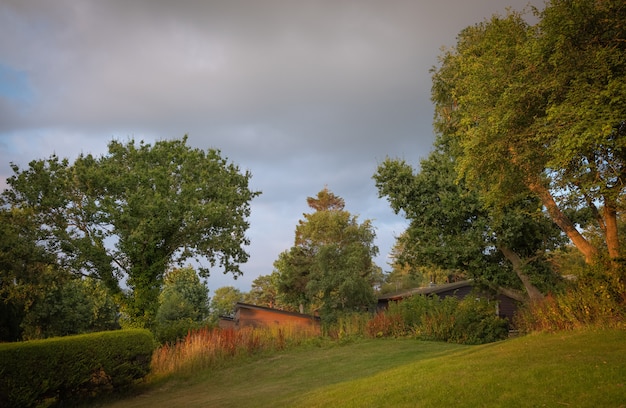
[[41, 372], [467, 321]]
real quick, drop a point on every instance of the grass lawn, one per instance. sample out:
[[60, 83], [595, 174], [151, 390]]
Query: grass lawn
[[578, 369]]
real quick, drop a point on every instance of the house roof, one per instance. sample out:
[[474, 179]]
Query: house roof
[[428, 290], [241, 305]]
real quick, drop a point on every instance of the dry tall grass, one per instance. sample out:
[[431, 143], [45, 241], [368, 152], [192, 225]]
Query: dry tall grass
[[205, 348]]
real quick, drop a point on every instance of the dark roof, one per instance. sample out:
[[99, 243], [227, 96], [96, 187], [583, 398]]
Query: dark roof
[[240, 305], [428, 290]]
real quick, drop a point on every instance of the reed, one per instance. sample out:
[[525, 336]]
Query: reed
[[212, 347]]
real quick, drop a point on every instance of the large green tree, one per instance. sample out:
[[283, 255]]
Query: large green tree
[[330, 266], [452, 228], [542, 108], [136, 211]]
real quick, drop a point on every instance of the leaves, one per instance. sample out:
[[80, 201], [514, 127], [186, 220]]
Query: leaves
[[137, 211], [540, 108], [330, 266]]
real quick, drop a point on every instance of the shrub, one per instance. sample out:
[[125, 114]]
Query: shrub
[[594, 300], [61, 368], [467, 321], [347, 325], [172, 331], [387, 324]]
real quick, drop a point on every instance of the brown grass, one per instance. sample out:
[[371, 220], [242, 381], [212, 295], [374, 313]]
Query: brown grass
[[206, 348]]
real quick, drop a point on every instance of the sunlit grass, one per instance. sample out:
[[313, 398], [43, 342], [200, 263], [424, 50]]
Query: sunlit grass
[[580, 368]]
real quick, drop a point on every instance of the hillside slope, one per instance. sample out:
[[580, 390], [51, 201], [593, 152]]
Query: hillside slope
[[583, 368]]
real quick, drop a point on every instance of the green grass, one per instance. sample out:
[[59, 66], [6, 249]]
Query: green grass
[[578, 369]]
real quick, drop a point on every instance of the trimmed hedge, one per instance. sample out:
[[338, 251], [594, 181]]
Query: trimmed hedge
[[56, 369]]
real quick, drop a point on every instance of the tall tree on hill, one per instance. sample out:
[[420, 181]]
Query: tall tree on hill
[[453, 229], [543, 107], [135, 211], [330, 266]]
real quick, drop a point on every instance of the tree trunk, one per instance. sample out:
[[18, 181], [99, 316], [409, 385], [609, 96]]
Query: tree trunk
[[611, 236], [533, 293], [589, 251], [513, 294]]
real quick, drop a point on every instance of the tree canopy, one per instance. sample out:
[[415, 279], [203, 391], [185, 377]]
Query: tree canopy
[[542, 108], [452, 228], [330, 266], [135, 212]]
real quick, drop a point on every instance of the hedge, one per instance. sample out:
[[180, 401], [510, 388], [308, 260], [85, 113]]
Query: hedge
[[57, 369]]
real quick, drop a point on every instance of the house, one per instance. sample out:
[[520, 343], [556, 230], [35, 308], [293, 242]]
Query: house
[[505, 306], [247, 315]]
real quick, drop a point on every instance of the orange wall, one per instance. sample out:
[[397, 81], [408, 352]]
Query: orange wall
[[265, 318]]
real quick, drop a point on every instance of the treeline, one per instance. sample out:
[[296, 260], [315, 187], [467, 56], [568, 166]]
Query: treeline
[[523, 192], [525, 184]]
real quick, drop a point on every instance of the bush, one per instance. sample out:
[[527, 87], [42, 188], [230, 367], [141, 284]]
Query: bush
[[594, 300], [61, 368], [386, 325], [467, 321], [347, 325], [172, 331]]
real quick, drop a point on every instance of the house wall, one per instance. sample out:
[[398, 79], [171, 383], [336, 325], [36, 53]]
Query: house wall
[[226, 323], [507, 307], [246, 317]]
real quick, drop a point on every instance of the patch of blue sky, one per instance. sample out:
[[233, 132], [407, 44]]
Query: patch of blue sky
[[15, 84]]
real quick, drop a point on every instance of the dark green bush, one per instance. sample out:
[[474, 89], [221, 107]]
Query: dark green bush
[[172, 331], [467, 321], [61, 368]]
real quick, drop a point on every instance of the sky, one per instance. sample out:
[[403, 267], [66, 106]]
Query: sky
[[303, 94]]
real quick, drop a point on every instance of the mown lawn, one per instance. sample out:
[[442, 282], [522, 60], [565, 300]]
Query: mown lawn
[[577, 369]]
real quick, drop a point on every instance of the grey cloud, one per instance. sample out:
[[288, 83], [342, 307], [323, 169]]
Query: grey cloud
[[302, 93]]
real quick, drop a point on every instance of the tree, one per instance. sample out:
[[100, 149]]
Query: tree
[[68, 307], [184, 296], [224, 301], [543, 107], [183, 305], [330, 267], [264, 292], [452, 228], [136, 211], [27, 269]]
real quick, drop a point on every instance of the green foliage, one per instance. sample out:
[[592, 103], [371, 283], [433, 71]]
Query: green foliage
[[330, 268], [183, 305], [154, 205], [223, 302], [264, 292], [467, 321], [70, 307], [347, 326], [452, 228], [58, 369], [592, 300], [542, 108], [171, 331]]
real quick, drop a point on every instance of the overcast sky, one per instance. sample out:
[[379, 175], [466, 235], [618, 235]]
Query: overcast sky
[[304, 94]]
